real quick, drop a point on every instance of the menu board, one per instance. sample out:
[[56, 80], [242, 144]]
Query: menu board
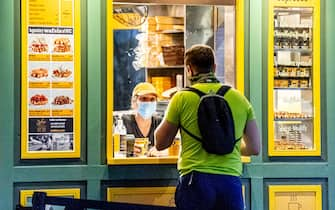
[[294, 78], [50, 73]]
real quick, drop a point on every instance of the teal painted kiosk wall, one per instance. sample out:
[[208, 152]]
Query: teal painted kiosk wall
[[91, 174]]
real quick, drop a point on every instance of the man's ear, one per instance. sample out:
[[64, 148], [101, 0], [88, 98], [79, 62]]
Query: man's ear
[[189, 70], [214, 68]]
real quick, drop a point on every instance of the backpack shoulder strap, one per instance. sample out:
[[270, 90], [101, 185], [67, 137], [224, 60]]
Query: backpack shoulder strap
[[192, 89], [190, 134], [223, 90], [200, 94]]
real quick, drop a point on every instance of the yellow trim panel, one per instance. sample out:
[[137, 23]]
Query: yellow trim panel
[[314, 76], [295, 197], [50, 79], [68, 192]]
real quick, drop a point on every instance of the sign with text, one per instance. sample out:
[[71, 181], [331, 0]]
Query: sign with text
[[50, 79]]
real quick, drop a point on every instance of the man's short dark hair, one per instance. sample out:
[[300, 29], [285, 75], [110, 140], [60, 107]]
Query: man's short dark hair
[[201, 58]]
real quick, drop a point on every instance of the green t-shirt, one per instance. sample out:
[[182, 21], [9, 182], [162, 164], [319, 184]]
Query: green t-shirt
[[182, 109]]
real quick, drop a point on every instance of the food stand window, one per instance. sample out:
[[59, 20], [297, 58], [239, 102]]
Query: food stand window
[[294, 79], [146, 43]]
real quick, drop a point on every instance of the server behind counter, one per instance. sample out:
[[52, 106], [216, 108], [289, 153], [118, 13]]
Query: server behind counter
[[144, 121]]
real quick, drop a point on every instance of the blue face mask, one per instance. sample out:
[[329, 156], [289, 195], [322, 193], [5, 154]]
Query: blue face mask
[[146, 109]]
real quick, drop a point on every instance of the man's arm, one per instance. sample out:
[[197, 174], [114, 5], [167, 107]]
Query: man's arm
[[165, 134], [251, 139]]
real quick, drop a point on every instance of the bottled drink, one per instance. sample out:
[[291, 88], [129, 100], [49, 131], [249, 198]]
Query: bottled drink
[[120, 144]]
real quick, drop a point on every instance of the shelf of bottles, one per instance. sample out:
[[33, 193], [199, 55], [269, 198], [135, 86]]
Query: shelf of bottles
[[293, 105]]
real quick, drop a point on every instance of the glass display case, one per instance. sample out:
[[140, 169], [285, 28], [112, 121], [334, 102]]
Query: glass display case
[[146, 43], [294, 79]]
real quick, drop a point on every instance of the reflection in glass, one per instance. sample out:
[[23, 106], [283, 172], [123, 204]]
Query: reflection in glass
[[225, 45], [199, 25]]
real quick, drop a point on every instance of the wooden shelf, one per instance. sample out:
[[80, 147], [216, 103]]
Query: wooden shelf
[[155, 160], [170, 32], [295, 66], [293, 50], [292, 77], [292, 88], [292, 28], [165, 67], [293, 119]]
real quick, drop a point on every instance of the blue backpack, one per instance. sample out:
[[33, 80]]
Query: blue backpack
[[215, 122]]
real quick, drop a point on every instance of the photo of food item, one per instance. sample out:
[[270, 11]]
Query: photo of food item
[[62, 45], [40, 142], [61, 72], [39, 99], [39, 73], [62, 100], [51, 142], [39, 45], [291, 115], [41, 125]]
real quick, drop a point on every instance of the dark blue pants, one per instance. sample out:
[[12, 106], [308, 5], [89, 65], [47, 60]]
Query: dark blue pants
[[202, 191]]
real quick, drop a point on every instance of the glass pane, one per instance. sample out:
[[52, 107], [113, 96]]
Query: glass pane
[[149, 43], [214, 26], [225, 45], [199, 25]]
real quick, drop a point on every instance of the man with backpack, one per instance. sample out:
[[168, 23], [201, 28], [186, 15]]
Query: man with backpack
[[212, 119]]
